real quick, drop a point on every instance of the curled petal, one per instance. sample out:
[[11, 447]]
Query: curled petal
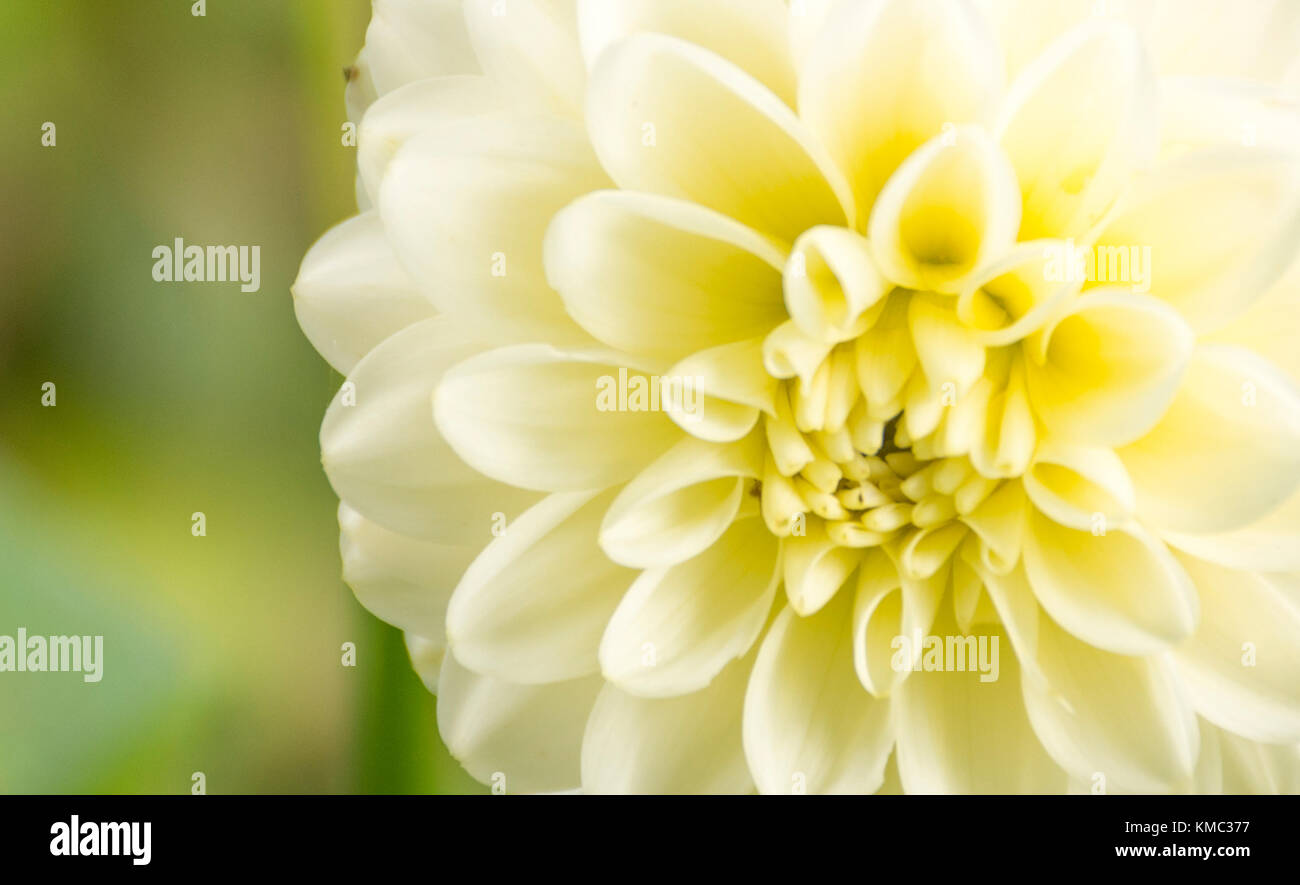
[[832, 287], [1110, 368], [683, 502], [951, 207]]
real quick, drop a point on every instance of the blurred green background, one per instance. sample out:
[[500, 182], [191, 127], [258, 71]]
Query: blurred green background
[[222, 653]]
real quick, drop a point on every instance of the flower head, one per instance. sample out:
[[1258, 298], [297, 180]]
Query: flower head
[[828, 396]]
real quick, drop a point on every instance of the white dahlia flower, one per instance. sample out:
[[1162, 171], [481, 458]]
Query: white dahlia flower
[[730, 381]]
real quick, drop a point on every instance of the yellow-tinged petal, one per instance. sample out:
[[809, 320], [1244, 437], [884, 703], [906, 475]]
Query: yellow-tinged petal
[[1120, 590], [409, 40], [832, 287], [402, 580], [679, 626], [748, 33], [1242, 666], [1219, 227], [924, 63], [552, 420], [1078, 123], [384, 456], [1126, 718], [816, 567], [351, 293], [1111, 367], [686, 744], [683, 502], [952, 206], [1226, 452], [967, 731], [1080, 486], [753, 160], [530, 47], [530, 734], [533, 605], [467, 217], [809, 726], [723, 391], [662, 277], [448, 106]]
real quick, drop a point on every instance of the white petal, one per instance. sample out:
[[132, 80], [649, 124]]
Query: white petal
[[410, 40], [351, 293], [541, 418], [426, 658], [1110, 369], [1077, 124], [467, 216], [662, 277], [384, 456], [1120, 590], [677, 627], [530, 47], [809, 724], [1199, 113], [748, 33], [967, 732], [806, 20], [1255, 768], [1218, 228], [1123, 717], [924, 63], [680, 504], [687, 744], [534, 604], [1269, 544], [1025, 28], [402, 580], [530, 735], [1252, 40], [1242, 666], [734, 147], [1227, 451], [444, 105]]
